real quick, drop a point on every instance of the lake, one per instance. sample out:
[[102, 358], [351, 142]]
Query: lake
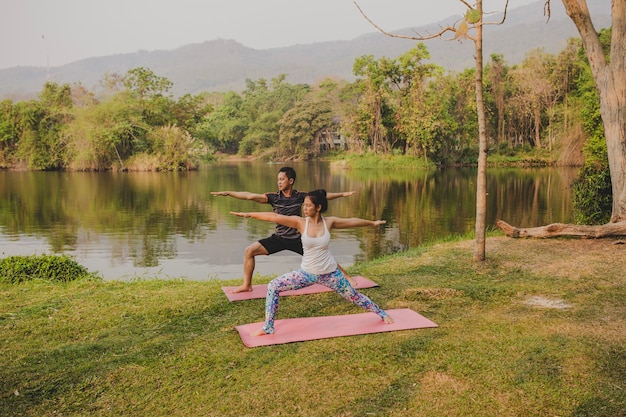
[[165, 225]]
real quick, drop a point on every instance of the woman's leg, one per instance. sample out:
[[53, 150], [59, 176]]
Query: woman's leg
[[338, 283], [290, 281]]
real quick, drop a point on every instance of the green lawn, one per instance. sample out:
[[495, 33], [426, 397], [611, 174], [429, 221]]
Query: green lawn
[[538, 329]]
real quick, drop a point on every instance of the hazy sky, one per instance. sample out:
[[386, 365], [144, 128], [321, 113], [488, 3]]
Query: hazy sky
[[56, 32]]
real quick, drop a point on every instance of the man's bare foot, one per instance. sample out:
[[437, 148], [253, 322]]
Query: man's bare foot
[[243, 288], [388, 319], [259, 332]]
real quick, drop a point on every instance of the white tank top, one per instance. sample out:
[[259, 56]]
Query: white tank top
[[316, 258]]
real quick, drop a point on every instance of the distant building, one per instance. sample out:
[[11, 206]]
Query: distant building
[[330, 138]]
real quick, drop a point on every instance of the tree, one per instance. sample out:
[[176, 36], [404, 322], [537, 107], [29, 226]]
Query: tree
[[610, 79], [223, 129], [262, 107], [39, 127], [472, 20], [302, 126], [374, 104], [104, 135], [421, 115], [173, 149], [609, 75], [8, 131], [498, 72]]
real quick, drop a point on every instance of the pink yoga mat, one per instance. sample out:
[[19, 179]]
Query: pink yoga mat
[[259, 291], [312, 328]]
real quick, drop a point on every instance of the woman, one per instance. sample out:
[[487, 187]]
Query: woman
[[318, 265]]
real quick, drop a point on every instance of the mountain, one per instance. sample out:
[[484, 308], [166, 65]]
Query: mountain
[[222, 65]]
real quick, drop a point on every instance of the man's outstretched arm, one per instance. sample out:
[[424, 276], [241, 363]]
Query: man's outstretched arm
[[242, 195], [332, 196]]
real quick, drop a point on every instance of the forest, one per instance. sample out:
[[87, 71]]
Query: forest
[[545, 107]]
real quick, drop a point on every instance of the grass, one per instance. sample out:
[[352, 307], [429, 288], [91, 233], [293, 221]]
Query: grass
[[376, 162], [169, 348], [521, 157]]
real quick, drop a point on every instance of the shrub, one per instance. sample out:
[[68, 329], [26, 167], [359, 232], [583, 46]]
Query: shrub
[[593, 194], [16, 269]]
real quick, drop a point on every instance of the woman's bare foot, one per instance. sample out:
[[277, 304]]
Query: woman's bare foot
[[259, 332], [388, 319], [243, 288]]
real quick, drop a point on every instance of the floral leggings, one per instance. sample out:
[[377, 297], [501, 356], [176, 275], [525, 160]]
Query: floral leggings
[[300, 279]]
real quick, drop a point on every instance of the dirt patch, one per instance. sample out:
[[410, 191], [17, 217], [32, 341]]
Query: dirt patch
[[543, 302]]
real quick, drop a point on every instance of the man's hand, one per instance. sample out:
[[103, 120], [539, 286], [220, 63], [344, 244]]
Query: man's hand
[[239, 214]]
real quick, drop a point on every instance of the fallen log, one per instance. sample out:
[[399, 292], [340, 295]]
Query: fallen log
[[561, 229]]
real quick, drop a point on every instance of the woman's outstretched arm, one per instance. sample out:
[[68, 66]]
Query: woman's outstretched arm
[[343, 223], [289, 221]]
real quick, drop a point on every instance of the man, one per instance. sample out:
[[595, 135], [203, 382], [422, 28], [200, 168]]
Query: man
[[286, 201]]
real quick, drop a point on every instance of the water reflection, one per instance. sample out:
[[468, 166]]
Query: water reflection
[[125, 225]]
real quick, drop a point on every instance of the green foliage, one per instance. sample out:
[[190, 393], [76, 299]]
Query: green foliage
[[302, 126], [128, 126], [261, 133], [401, 105], [17, 269], [173, 148], [33, 129], [472, 15], [593, 195], [33, 147], [145, 84], [106, 135], [223, 129]]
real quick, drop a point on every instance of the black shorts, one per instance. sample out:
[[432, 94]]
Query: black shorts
[[276, 243]]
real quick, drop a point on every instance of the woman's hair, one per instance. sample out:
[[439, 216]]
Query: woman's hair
[[318, 198]]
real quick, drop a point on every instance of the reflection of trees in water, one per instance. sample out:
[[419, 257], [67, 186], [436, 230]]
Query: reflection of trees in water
[[531, 196], [72, 208], [142, 214], [147, 251], [429, 205]]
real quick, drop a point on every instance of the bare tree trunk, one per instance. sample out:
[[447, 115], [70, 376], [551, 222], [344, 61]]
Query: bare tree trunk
[[560, 229], [610, 79], [537, 117], [497, 79], [481, 179]]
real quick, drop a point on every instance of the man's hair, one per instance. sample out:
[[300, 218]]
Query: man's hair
[[289, 172], [318, 198]]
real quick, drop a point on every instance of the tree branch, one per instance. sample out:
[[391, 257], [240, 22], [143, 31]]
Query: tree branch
[[439, 34], [395, 35]]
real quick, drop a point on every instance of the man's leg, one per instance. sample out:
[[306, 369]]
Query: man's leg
[[249, 263]]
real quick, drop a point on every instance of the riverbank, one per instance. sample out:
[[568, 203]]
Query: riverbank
[[538, 329], [374, 161]]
